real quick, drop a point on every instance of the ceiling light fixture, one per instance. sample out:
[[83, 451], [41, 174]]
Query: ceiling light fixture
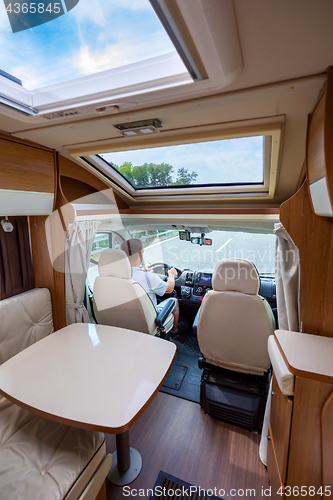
[[141, 127]]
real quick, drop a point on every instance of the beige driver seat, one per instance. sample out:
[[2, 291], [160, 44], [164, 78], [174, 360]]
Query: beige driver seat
[[234, 321], [120, 301]]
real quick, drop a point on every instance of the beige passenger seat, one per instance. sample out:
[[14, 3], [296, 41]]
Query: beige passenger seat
[[41, 459], [234, 321], [233, 328]]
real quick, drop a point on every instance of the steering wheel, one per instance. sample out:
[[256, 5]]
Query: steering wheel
[[162, 269]]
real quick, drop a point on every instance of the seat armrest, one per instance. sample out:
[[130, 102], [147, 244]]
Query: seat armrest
[[168, 307], [284, 378]]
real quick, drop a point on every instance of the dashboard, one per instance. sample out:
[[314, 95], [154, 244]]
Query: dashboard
[[195, 284]]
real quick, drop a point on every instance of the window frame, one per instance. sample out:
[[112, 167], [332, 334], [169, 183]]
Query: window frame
[[90, 159]]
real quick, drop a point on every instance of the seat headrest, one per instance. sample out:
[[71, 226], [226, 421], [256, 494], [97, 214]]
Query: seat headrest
[[236, 275], [114, 262]]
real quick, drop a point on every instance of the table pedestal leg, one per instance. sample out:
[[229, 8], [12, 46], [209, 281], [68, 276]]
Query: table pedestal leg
[[126, 462]]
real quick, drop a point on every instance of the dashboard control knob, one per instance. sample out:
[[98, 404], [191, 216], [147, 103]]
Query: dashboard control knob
[[199, 290]]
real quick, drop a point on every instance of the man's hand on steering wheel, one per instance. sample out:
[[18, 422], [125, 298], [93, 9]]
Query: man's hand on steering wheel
[[172, 272]]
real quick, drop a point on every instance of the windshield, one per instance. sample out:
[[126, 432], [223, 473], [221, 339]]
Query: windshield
[[165, 246]]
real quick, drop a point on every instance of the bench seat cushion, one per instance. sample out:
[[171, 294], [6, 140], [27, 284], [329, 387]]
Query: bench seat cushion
[[25, 319], [40, 459]]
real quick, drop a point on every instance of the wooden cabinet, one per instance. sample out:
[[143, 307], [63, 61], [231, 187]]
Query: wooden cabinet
[[319, 152], [300, 447], [278, 439], [26, 167], [305, 466], [281, 408], [273, 468]]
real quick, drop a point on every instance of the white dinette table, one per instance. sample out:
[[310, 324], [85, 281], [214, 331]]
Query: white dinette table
[[94, 377]]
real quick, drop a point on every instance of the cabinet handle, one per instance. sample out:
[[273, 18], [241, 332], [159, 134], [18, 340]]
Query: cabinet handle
[[269, 438], [273, 393]]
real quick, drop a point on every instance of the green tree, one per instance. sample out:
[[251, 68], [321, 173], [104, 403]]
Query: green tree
[[185, 177], [159, 175], [141, 176], [126, 169], [154, 175]]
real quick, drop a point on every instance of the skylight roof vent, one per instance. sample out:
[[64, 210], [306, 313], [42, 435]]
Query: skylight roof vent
[[142, 127], [60, 114]]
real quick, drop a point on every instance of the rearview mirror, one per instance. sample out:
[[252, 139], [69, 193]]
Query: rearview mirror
[[197, 240], [200, 240]]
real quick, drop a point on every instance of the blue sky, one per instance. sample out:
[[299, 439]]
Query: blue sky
[[232, 160], [94, 36]]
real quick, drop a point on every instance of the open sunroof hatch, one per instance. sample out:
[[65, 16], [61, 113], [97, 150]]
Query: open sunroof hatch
[[114, 53]]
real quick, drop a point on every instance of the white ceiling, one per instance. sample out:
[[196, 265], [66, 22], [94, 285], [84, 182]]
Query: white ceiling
[[283, 39]]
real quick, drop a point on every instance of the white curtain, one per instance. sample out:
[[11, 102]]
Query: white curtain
[[79, 240], [287, 277]]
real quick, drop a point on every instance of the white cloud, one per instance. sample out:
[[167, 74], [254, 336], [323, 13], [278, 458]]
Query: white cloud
[[101, 12], [88, 60], [90, 10]]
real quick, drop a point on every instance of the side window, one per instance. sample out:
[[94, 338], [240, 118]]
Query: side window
[[116, 241], [101, 242]]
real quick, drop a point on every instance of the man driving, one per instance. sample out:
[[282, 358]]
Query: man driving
[[151, 282]]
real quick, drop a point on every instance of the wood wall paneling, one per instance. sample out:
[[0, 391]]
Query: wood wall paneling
[[329, 132], [43, 269], [58, 225], [280, 424], [319, 146], [273, 469], [74, 189], [26, 168], [313, 235], [305, 464], [315, 142], [327, 441], [71, 170]]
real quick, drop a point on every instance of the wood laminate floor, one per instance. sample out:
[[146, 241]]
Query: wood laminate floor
[[176, 436]]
